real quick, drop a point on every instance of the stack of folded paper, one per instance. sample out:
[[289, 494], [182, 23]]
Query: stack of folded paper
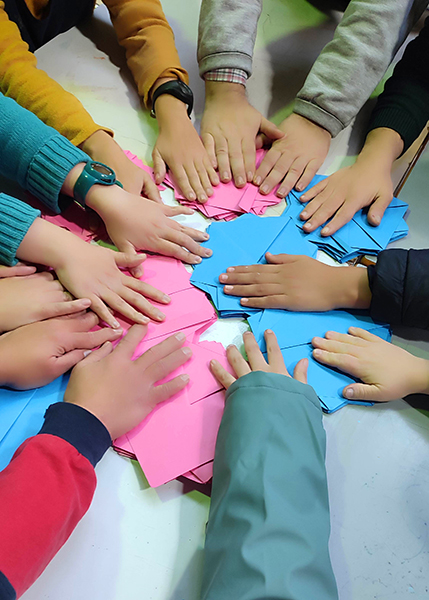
[[358, 236], [228, 201]]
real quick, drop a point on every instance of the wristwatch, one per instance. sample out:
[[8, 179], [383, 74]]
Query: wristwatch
[[179, 90], [93, 173]]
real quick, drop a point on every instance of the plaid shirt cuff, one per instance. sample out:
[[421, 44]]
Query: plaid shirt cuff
[[228, 74]]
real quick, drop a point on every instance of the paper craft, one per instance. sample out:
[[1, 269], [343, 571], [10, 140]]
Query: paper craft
[[356, 237], [245, 241], [12, 404], [228, 201]]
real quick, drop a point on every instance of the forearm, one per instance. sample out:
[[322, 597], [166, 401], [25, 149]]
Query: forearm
[[352, 64], [46, 490], [268, 528]]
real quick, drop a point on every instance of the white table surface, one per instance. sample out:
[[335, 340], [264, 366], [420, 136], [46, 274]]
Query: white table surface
[[138, 543]]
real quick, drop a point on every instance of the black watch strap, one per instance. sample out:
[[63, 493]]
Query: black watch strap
[[179, 90]]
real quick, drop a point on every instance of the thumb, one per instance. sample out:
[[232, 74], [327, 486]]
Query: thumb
[[376, 212], [96, 355], [300, 371], [159, 169], [128, 250], [362, 391], [270, 130], [172, 211], [129, 259], [280, 259]]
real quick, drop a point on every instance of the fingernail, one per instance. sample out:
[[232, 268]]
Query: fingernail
[[209, 191], [230, 269], [85, 302], [258, 180], [192, 196], [198, 259], [160, 315], [203, 198], [206, 236], [325, 231], [240, 181], [115, 324], [86, 353], [228, 288], [304, 198], [208, 252], [144, 320], [281, 192], [376, 219], [230, 346], [184, 378], [213, 362], [244, 300], [264, 189], [180, 336], [349, 393], [225, 176], [166, 298], [187, 351], [303, 215], [118, 332], [308, 226], [298, 187], [223, 277], [138, 272], [317, 352], [268, 331]]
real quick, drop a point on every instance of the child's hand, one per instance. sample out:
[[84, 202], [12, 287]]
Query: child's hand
[[387, 372], [34, 355], [134, 223], [257, 361], [344, 193], [27, 299], [180, 148], [121, 392], [298, 155], [19, 270], [92, 272], [297, 283]]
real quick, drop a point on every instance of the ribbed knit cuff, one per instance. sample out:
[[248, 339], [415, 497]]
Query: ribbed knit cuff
[[400, 120], [16, 218], [78, 427], [50, 167]]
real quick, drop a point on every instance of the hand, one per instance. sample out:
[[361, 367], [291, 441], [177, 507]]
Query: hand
[[229, 130], [387, 372], [344, 193], [256, 361], [19, 270], [180, 147], [298, 283], [31, 298], [298, 155], [121, 392], [90, 271], [102, 147], [134, 223], [36, 354]]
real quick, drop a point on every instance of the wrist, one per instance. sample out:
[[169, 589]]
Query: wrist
[[169, 109], [216, 89], [96, 143], [71, 179], [351, 287], [104, 199], [382, 147]]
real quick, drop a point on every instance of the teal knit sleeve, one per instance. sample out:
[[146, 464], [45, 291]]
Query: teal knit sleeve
[[268, 531], [16, 218], [33, 154]]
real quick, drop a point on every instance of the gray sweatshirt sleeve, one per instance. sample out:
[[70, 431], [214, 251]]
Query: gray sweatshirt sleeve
[[352, 64], [268, 530], [227, 34]]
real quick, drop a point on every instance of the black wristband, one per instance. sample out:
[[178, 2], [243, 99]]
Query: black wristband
[[179, 90]]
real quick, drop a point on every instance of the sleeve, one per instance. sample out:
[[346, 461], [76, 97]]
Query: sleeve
[[353, 63], [143, 30], [399, 284], [268, 530], [33, 89], [33, 154], [16, 218], [227, 34], [404, 104], [45, 491]]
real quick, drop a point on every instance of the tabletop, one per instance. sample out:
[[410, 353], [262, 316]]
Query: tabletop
[[141, 543]]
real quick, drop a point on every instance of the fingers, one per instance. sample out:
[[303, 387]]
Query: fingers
[[222, 376], [93, 339], [184, 241], [149, 188], [254, 355], [142, 306], [68, 360], [300, 371], [97, 355], [58, 309], [198, 236], [274, 301], [147, 290], [172, 249], [280, 259], [362, 391], [120, 302], [222, 157], [309, 172], [127, 346], [249, 158], [209, 145], [376, 211], [161, 350], [167, 365], [294, 173], [269, 130], [101, 310], [274, 354], [314, 191], [266, 166], [321, 209], [18, 270], [236, 361], [172, 211], [345, 214], [159, 167], [128, 261], [166, 390]]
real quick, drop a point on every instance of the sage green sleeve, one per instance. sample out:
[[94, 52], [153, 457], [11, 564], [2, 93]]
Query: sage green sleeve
[[268, 530]]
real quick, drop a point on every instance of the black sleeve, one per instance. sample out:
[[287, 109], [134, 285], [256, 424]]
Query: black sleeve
[[399, 283], [404, 104]]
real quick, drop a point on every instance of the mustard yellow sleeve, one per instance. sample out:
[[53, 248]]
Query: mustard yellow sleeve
[[33, 89], [143, 30]]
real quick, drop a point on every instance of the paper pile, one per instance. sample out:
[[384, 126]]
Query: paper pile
[[227, 201], [358, 236]]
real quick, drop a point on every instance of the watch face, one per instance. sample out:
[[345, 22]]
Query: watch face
[[100, 168]]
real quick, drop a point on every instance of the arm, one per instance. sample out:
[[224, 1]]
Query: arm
[[37, 518], [404, 104], [269, 526], [352, 64]]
